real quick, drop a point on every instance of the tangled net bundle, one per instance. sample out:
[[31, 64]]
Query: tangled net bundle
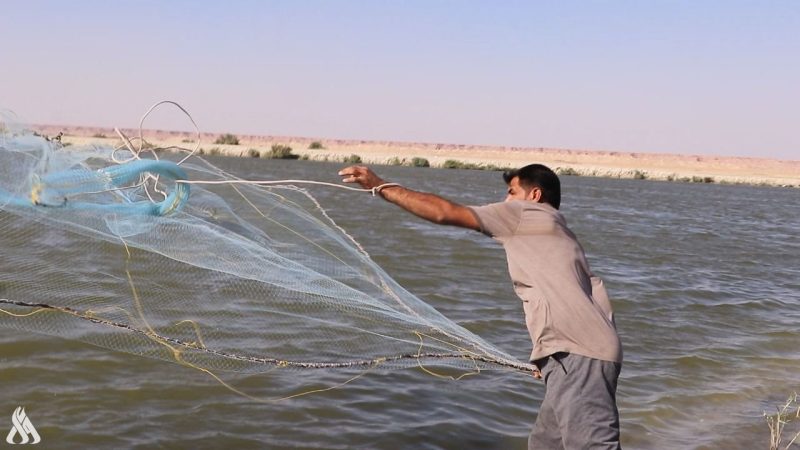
[[193, 265]]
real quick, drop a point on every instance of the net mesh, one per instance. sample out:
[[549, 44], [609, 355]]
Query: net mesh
[[218, 277]]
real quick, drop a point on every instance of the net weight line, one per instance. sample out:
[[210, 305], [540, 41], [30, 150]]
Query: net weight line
[[366, 363]]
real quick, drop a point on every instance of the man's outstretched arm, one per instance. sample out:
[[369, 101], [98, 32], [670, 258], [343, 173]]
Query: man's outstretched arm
[[427, 206]]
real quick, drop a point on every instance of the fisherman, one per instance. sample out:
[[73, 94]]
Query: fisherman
[[567, 311]]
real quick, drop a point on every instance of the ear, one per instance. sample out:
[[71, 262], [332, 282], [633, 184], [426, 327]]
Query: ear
[[535, 195]]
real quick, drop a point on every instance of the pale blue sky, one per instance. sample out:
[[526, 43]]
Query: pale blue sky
[[706, 77]]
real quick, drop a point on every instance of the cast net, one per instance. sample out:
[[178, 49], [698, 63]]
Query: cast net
[[128, 252]]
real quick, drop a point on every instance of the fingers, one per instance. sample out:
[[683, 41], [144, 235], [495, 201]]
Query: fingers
[[349, 175], [351, 170], [361, 175]]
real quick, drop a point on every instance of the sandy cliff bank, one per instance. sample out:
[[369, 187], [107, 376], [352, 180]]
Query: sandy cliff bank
[[581, 162]]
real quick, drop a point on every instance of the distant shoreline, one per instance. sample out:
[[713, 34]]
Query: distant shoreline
[[656, 166]]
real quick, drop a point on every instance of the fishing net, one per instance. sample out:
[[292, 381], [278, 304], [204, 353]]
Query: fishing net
[[219, 277]]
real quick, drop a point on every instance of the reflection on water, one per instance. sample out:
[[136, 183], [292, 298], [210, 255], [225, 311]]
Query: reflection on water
[[705, 281]]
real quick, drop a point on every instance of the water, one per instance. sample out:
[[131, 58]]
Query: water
[[705, 281]]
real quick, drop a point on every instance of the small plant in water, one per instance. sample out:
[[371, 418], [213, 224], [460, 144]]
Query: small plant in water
[[789, 413]]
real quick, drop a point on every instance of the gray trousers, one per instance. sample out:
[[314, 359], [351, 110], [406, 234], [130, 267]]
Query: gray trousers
[[579, 410]]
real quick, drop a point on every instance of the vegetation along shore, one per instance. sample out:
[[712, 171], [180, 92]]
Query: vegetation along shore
[[655, 166]]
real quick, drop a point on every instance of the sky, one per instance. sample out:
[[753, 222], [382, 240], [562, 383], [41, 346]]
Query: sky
[[690, 77]]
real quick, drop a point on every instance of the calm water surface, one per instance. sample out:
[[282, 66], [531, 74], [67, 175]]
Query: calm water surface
[[705, 281]]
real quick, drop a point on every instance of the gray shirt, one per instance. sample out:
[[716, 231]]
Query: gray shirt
[[566, 307]]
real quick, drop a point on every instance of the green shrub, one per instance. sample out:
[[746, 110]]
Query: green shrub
[[187, 141], [568, 171], [696, 179], [420, 162], [498, 168], [99, 136], [396, 161], [456, 164], [305, 157], [639, 175], [280, 151], [214, 151], [253, 153], [352, 159], [316, 145], [227, 139]]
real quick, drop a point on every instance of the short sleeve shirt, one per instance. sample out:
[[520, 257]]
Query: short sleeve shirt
[[566, 307]]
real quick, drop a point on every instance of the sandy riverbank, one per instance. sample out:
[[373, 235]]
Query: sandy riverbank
[[580, 162]]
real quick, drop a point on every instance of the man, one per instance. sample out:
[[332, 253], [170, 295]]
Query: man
[[567, 311]]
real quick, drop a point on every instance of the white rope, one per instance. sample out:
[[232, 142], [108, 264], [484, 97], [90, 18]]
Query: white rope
[[375, 191], [136, 152], [145, 178], [191, 119]]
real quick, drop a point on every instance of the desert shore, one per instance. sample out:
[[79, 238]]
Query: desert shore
[[673, 167]]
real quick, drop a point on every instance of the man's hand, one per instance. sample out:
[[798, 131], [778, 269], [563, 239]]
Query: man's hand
[[361, 175], [536, 374]]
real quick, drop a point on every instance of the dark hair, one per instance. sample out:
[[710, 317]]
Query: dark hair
[[537, 175]]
